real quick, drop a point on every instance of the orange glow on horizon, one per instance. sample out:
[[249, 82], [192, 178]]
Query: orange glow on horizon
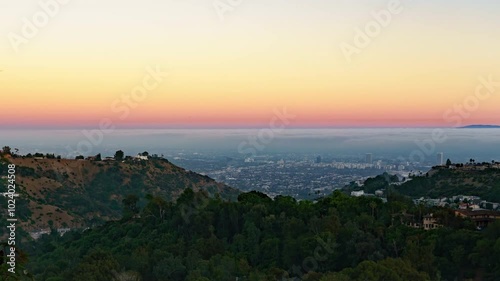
[[76, 72]]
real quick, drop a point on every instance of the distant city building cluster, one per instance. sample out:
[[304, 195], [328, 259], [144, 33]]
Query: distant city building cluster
[[303, 176]]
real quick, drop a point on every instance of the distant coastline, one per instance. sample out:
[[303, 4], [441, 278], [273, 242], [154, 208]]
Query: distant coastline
[[480, 127]]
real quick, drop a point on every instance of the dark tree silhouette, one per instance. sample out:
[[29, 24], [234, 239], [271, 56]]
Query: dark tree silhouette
[[119, 155]]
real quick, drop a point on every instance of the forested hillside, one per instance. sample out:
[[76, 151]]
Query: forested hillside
[[441, 182], [79, 193], [258, 238]]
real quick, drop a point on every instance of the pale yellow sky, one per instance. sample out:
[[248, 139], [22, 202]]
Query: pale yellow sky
[[262, 55]]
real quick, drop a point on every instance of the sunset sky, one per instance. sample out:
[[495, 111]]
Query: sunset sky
[[262, 56]]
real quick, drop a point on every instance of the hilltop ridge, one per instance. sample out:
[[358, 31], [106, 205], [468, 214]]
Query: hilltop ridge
[[469, 179], [474, 179], [77, 193]]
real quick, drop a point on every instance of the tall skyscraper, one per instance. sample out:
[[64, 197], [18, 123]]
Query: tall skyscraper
[[369, 158], [440, 159], [318, 159]]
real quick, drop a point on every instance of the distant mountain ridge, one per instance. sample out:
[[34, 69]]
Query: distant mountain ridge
[[480, 127]]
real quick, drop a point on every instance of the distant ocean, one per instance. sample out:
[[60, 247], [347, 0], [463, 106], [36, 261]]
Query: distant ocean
[[457, 144]]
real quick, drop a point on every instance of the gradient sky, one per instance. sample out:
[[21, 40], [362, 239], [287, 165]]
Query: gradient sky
[[265, 55]]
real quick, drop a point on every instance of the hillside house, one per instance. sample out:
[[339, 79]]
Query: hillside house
[[36, 234], [430, 222], [480, 217], [62, 231], [357, 193], [141, 157]]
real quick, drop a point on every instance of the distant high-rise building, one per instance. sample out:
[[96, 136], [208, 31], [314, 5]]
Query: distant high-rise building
[[440, 159], [318, 159], [369, 158]]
